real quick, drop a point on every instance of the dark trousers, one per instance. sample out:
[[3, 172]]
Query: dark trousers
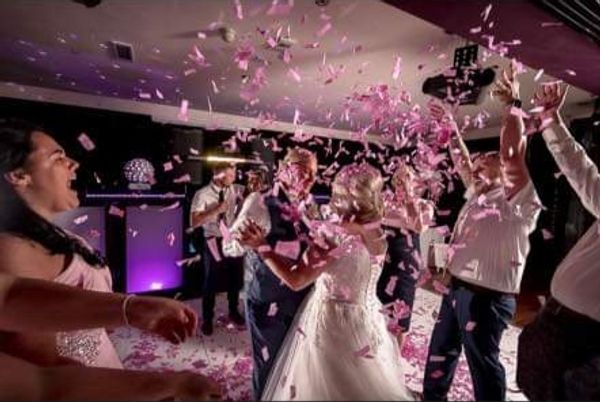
[[559, 356], [208, 304], [474, 318], [265, 332]]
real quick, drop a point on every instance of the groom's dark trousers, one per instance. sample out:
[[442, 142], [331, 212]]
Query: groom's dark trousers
[[268, 332]]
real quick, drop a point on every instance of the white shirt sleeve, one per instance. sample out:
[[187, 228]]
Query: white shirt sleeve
[[577, 167], [199, 201], [253, 208]]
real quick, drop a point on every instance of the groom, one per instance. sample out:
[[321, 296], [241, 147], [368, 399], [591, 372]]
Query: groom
[[270, 305]]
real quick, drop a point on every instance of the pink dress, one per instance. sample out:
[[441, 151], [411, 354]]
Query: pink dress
[[92, 347]]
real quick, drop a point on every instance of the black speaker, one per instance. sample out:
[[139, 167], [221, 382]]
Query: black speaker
[[188, 142]]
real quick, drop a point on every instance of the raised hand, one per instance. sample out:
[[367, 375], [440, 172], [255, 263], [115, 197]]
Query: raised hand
[[506, 88], [548, 99], [168, 318]]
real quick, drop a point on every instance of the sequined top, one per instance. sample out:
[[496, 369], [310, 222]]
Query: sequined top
[[91, 347]]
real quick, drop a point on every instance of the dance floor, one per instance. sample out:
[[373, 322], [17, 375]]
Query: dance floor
[[226, 355]]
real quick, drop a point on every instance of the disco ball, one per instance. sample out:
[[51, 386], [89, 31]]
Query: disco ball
[[139, 171]]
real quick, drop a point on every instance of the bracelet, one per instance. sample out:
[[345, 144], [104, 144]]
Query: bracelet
[[124, 309]]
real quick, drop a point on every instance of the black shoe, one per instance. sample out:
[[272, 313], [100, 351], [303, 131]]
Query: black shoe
[[237, 318], [207, 328]]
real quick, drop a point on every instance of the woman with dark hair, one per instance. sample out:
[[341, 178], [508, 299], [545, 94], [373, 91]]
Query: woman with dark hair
[[35, 186]]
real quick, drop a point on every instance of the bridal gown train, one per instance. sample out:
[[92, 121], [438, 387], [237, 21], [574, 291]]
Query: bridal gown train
[[339, 347]]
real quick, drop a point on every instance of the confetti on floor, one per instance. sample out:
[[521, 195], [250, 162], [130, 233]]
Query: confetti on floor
[[226, 357]]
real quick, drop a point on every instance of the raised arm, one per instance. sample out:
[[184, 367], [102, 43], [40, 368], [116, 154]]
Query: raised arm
[[512, 140], [21, 380], [571, 158], [458, 150]]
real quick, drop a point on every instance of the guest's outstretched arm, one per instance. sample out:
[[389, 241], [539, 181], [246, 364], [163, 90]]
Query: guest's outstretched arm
[[38, 305], [512, 139], [570, 156], [21, 380]]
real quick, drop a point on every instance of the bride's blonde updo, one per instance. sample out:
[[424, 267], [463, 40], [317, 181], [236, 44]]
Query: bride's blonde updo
[[357, 193]]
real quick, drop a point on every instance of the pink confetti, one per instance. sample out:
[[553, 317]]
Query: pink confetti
[[538, 75], [265, 353], [546, 234], [289, 249], [391, 285], [570, 72], [186, 178], [238, 9], [264, 249], [486, 12], [397, 68], [214, 86], [437, 374], [475, 30], [80, 219], [324, 29], [213, 247], [272, 310], [116, 211], [171, 239], [187, 261], [436, 358], [174, 205], [86, 142], [167, 166], [470, 326], [183, 110], [293, 72], [145, 95], [551, 24]]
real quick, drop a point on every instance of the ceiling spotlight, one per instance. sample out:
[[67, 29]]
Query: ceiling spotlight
[[89, 3]]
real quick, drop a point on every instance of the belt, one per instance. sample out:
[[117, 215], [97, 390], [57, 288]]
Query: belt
[[479, 289], [561, 311]]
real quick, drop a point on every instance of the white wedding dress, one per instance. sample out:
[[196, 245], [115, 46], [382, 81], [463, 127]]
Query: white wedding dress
[[339, 347]]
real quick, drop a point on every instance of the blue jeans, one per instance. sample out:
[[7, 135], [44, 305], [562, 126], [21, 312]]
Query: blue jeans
[[476, 321]]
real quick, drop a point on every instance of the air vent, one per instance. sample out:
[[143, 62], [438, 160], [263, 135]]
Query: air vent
[[122, 51], [583, 15]]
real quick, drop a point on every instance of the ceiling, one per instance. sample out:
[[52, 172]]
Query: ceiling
[[63, 45]]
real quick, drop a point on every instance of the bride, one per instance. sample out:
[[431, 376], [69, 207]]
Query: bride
[[338, 347]]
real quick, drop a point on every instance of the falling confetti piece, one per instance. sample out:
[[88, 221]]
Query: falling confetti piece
[[186, 178], [470, 326], [475, 30], [213, 247], [486, 12], [116, 211], [238, 9], [571, 72], [289, 249], [436, 374], [397, 67], [272, 310], [80, 219], [145, 95], [538, 75], [265, 353], [293, 72], [391, 285], [547, 235], [86, 142], [324, 29], [183, 110], [171, 239], [167, 166]]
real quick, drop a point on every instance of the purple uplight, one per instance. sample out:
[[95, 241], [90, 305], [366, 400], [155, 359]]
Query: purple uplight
[[150, 257]]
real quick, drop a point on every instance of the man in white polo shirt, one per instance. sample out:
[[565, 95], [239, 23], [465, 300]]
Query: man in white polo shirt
[[488, 249], [559, 353], [214, 206]]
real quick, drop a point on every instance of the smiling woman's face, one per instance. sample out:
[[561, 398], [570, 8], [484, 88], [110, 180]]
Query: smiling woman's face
[[48, 174]]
